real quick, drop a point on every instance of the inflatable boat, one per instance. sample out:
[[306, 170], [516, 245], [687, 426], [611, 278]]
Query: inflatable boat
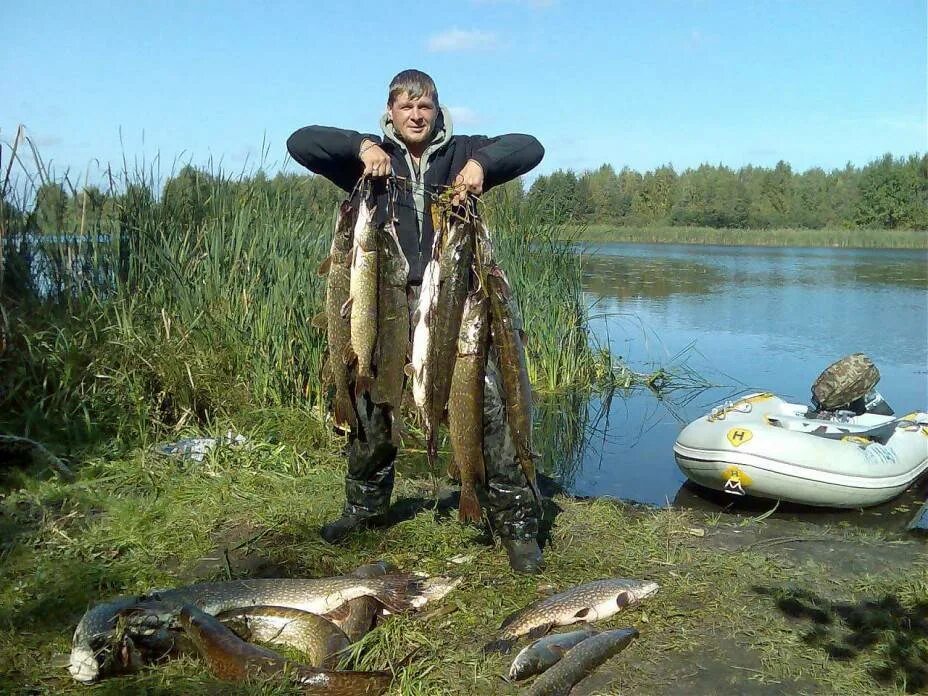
[[763, 446]]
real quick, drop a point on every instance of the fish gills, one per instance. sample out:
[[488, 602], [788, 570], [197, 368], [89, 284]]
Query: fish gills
[[544, 652], [580, 661], [506, 327], [392, 330], [338, 331], [317, 638], [232, 659], [465, 404], [362, 303], [591, 601]]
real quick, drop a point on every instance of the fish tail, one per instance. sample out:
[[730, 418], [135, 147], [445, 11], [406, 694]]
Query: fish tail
[[343, 413], [469, 508]]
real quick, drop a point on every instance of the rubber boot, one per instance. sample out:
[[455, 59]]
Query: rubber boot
[[524, 555]]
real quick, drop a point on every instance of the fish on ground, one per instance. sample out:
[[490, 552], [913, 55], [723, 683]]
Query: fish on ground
[[316, 637], [233, 659], [544, 652], [393, 329], [580, 661], [337, 268], [358, 616], [465, 403], [507, 330], [94, 636], [362, 304], [589, 602]]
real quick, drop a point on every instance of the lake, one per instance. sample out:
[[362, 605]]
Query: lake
[[742, 319]]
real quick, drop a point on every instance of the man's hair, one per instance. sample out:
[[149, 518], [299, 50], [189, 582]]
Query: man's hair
[[415, 83]]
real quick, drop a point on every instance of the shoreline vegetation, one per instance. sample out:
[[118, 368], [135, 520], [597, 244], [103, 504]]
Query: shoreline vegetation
[[605, 233], [184, 311]]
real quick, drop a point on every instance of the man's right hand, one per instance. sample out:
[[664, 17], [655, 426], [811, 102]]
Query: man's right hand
[[376, 161]]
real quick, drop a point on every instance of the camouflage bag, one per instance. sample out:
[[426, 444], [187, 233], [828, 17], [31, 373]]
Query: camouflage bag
[[844, 381]]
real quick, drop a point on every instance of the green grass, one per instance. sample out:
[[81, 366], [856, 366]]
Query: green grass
[[141, 521], [843, 238]]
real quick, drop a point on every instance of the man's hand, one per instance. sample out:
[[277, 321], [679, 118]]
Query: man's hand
[[376, 161], [470, 180]]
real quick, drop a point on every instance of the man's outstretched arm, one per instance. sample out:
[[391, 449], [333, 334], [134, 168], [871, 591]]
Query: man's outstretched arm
[[505, 157], [330, 152]]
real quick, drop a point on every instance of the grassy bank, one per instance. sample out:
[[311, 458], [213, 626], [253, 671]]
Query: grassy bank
[[746, 607], [842, 238]]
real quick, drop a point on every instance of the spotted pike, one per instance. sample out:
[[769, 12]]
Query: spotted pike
[[507, 329], [357, 617], [591, 601], [544, 652], [232, 659], [361, 307], [317, 638], [465, 405], [337, 268], [580, 661], [392, 329], [95, 633]]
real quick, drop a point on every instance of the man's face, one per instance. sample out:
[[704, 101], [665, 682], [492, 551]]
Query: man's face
[[413, 118]]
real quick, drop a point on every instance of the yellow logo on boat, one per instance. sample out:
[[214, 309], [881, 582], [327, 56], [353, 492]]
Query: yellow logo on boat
[[735, 481], [856, 440], [738, 436]]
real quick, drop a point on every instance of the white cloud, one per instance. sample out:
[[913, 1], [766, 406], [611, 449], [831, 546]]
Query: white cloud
[[460, 40], [463, 116]]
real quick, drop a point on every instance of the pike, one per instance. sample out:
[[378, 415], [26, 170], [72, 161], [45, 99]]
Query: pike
[[337, 268], [232, 659], [507, 330], [94, 637], [438, 325], [591, 601], [317, 638], [392, 329], [358, 616], [465, 405], [580, 661], [361, 307]]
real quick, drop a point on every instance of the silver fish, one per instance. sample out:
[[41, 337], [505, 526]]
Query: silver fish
[[544, 652]]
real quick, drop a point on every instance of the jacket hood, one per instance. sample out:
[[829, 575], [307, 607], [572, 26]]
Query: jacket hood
[[440, 135]]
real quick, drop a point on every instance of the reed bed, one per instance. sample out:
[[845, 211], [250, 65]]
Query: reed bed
[[832, 238]]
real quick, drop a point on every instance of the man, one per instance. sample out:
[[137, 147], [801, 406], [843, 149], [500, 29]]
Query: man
[[418, 147]]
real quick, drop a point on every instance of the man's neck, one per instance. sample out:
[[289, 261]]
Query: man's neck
[[416, 150]]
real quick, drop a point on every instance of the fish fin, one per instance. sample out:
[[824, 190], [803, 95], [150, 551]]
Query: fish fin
[[454, 471], [346, 308], [509, 619], [339, 613], [362, 384], [320, 321], [623, 600], [582, 614], [325, 265], [469, 508], [401, 592], [498, 646], [350, 357], [342, 412], [540, 631], [409, 370]]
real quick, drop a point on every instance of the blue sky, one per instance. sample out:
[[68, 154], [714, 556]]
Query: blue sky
[[630, 83]]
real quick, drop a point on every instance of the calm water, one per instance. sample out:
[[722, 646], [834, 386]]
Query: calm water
[[744, 319]]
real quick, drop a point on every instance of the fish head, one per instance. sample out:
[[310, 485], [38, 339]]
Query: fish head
[[636, 592]]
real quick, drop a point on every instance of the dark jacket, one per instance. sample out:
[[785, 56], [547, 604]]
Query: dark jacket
[[333, 153]]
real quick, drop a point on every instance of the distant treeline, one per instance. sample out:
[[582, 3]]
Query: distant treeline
[[888, 193]]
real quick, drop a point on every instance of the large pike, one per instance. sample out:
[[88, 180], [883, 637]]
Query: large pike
[[465, 405], [94, 636], [441, 302], [358, 616], [544, 652], [591, 601], [316, 637], [232, 659], [580, 661], [507, 328], [337, 267], [392, 329], [361, 307]]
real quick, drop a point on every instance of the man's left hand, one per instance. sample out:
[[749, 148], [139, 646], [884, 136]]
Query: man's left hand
[[470, 180]]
